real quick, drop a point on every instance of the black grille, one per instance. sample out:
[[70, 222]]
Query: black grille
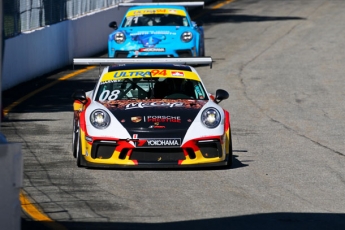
[[184, 53], [157, 155], [103, 150], [153, 56], [210, 149], [121, 54]]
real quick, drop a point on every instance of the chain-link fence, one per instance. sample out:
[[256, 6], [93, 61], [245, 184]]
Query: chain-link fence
[[25, 15]]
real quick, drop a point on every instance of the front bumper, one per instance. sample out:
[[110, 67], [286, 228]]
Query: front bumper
[[122, 154], [135, 54]]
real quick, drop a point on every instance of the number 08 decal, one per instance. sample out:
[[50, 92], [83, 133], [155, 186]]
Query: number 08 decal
[[110, 96]]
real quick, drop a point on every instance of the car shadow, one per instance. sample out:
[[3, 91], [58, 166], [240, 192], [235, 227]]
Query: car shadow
[[212, 16], [270, 221]]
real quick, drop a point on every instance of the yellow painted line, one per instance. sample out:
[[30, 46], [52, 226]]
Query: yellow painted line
[[37, 215], [219, 5], [222, 4], [68, 76]]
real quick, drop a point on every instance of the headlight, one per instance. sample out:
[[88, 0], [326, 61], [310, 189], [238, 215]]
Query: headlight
[[119, 37], [186, 36], [100, 119], [210, 118]]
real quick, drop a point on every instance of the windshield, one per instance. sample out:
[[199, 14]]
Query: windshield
[[147, 88], [155, 20]]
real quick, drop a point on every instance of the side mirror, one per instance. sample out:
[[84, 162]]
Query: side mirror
[[80, 95], [221, 95], [199, 23], [113, 25]]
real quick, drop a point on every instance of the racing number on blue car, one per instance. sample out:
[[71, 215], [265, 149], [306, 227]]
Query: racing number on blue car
[[110, 96]]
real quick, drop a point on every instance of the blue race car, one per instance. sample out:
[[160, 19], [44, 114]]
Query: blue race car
[[157, 30]]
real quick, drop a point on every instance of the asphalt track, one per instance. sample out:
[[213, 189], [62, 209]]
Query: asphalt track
[[283, 65]]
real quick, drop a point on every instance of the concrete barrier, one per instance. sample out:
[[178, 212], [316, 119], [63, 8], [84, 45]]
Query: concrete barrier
[[11, 172], [33, 54]]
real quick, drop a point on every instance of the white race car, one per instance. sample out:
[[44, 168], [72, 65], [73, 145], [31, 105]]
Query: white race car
[[150, 113]]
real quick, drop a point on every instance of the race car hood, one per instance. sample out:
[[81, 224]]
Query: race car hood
[[151, 40], [148, 118]]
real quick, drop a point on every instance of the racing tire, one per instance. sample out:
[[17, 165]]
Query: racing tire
[[78, 153], [229, 155], [75, 137]]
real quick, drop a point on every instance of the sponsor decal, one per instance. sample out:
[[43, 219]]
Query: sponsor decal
[[118, 74], [140, 73], [152, 50], [164, 142], [150, 11], [157, 127], [159, 142], [152, 32], [108, 82], [136, 119], [155, 11], [141, 105], [157, 119], [177, 73], [153, 103], [135, 137]]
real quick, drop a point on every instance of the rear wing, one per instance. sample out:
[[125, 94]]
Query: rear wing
[[162, 3], [113, 61]]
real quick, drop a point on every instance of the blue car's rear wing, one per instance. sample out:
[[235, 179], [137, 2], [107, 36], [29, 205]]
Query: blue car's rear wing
[[112, 61], [161, 3]]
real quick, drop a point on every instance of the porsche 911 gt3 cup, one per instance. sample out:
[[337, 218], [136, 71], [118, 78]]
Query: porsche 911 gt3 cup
[[155, 114], [157, 30]]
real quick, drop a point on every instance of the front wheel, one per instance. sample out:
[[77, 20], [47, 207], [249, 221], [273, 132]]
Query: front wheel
[[75, 137], [229, 155], [76, 143], [78, 152]]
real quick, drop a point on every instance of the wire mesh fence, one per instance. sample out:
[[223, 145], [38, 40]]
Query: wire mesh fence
[[25, 15]]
